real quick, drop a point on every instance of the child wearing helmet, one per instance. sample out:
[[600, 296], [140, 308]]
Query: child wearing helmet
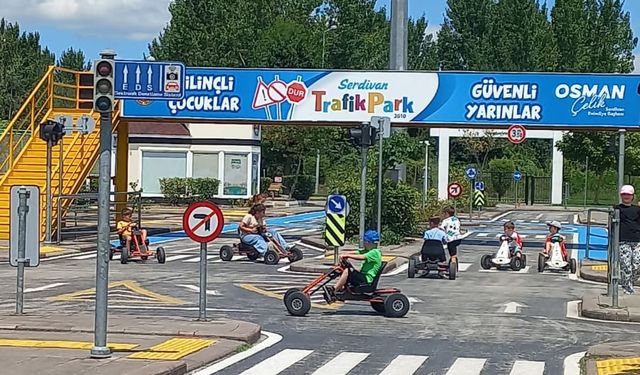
[[372, 261], [554, 228]]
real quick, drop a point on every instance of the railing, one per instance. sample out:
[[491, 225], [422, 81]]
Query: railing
[[82, 212], [58, 89], [613, 250], [23, 125], [609, 211]]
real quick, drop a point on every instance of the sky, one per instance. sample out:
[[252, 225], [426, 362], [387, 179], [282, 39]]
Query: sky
[[134, 23]]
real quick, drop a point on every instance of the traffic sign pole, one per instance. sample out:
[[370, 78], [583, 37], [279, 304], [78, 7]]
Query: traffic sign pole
[[473, 183], [202, 316], [23, 209]]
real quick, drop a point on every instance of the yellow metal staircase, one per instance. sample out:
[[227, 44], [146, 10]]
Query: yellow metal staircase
[[23, 153]]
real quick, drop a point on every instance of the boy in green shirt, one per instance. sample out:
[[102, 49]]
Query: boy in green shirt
[[372, 257]]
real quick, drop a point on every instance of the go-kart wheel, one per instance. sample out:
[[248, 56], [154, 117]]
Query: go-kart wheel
[[161, 256], [271, 257], [396, 305], [296, 254], [516, 263], [573, 266], [453, 270], [289, 291], [111, 254], [378, 307], [485, 262], [524, 260], [226, 253], [411, 272], [542, 260], [253, 255], [124, 255], [297, 303]]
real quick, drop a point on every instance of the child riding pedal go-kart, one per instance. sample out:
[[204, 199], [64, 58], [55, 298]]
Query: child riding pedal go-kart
[[352, 285], [555, 255], [432, 256], [509, 253], [133, 241]]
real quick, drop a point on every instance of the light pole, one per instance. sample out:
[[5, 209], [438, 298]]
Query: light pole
[[425, 194], [324, 41]]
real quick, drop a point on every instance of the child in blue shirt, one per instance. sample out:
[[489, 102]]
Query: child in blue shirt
[[432, 235]]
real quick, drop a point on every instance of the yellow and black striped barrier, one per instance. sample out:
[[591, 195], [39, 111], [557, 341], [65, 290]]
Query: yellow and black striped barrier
[[335, 229]]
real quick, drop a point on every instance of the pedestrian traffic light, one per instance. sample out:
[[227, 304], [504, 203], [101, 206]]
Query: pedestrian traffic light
[[51, 131], [364, 136], [103, 81]]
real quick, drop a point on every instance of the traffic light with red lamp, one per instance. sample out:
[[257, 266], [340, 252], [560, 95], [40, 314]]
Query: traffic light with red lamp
[[103, 97], [363, 136]]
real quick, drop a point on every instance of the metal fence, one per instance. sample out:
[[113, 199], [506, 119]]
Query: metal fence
[[80, 218]]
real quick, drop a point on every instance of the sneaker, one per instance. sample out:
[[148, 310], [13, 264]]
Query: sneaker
[[628, 290]]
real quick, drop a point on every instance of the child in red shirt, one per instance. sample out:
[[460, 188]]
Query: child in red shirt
[[515, 246], [554, 228]]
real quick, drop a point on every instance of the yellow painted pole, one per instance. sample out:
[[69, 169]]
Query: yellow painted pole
[[122, 166]]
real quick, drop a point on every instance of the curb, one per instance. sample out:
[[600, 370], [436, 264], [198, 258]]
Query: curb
[[601, 311], [251, 337]]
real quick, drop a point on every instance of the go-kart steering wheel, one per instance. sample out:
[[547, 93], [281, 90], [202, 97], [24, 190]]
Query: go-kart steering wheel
[[506, 238], [344, 262]]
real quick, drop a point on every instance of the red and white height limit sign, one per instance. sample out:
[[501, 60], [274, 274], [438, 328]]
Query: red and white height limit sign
[[516, 134], [203, 222]]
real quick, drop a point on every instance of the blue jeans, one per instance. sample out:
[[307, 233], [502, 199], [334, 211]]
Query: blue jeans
[[260, 243]]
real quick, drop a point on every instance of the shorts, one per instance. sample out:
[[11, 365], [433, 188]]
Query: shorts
[[357, 278], [453, 247], [433, 250]]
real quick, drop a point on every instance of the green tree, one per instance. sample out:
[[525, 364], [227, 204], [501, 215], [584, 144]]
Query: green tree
[[23, 61], [464, 39], [74, 59]]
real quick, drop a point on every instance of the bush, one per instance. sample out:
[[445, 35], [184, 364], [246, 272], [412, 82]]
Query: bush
[[501, 175], [264, 183], [178, 189], [305, 186]]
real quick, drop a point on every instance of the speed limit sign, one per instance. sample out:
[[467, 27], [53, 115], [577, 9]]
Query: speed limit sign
[[516, 134]]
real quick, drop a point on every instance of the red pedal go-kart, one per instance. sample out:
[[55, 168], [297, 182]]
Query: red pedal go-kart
[[274, 253], [137, 249], [388, 301]]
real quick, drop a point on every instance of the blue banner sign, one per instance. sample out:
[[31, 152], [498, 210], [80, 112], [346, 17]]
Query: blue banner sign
[[420, 98]]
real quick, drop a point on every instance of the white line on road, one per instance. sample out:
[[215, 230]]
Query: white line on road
[[467, 366], [464, 266], [197, 259], [45, 287], [527, 368], [402, 268], [234, 258], [539, 216], [341, 364], [82, 257], [178, 257], [572, 364], [272, 339], [501, 216], [404, 364], [278, 363], [482, 235], [197, 289]]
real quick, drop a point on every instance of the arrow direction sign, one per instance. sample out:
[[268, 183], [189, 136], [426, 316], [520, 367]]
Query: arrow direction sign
[[125, 74], [512, 307], [149, 74], [336, 204], [152, 80], [137, 74]]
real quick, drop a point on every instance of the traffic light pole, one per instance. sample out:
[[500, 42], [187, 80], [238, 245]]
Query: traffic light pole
[[100, 348], [47, 236], [363, 192]]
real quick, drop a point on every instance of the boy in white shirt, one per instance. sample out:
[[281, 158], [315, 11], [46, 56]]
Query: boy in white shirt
[[451, 226]]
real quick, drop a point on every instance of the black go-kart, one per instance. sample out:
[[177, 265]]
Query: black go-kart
[[388, 301], [432, 259], [274, 253]]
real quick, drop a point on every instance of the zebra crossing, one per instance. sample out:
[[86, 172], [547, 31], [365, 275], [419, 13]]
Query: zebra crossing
[[317, 362]]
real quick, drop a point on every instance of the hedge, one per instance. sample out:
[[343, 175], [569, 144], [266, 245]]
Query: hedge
[[178, 189], [305, 186]]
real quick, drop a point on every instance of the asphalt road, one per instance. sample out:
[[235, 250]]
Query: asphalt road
[[454, 327]]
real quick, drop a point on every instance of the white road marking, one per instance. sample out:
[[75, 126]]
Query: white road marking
[[467, 366], [402, 268], [540, 236], [341, 364], [501, 216], [404, 365], [197, 259], [482, 235], [572, 364], [177, 257], [272, 339], [527, 368], [539, 216], [197, 289], [464, 266], [278, 363], [172, 308], [45, 287], [82, 257], [519, 221], [507, 270]]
